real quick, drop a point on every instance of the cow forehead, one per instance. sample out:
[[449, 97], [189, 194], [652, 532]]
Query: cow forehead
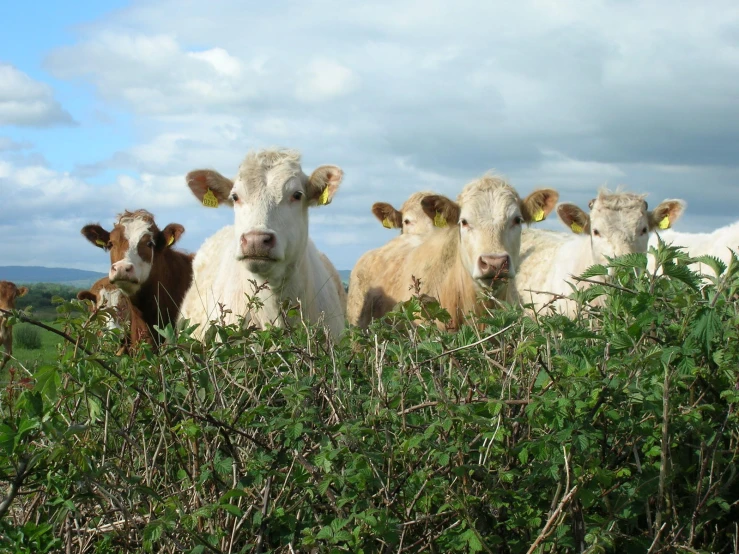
[[622, 210], [492, 197], [7, 290], [268, 172], [413, 204]]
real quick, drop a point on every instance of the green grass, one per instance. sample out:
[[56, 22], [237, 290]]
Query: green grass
[[33, 358]]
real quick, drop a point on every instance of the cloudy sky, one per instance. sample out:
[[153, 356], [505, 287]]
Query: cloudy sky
[[106, 105]]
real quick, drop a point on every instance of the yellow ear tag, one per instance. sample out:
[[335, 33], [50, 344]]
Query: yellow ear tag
[[386, 223], [323, 199], [170, 242], [210, 200], [576, 228], [665, 223], [439, 220], [539, 215], [100, 243]]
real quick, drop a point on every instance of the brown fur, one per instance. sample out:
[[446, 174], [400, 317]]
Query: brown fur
[[160, 297], [8, 294]]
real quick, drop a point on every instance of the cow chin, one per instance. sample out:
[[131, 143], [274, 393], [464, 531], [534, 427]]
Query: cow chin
[[258, 265], [495, 284]]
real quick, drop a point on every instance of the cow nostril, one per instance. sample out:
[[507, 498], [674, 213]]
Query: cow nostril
[[269, 240]]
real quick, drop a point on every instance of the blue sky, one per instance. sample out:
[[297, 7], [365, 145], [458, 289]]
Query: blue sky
[[105, 106]]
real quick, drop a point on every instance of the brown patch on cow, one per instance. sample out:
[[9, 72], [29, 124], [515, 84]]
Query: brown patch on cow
[[8, 294], [388, 216], [437, 206]]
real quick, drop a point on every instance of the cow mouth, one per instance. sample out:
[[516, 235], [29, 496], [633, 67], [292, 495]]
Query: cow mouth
[[495, 280], [257, 259], [129, 281]]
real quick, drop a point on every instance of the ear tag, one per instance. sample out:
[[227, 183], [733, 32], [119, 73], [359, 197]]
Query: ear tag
[[210, 200], [323, 199], [539, 215], [665, 223], [576, 228], [386, 223], [439, 220], [170, 242], [100, 243]]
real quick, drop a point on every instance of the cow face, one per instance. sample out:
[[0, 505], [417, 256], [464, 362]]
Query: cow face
[[108, 297], [270, 198], [8, 293], [490, 215], [619, 223], [411, 218], [134, 245]]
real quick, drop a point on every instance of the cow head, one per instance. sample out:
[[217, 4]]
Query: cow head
[[108, 297], [8, 293], [270, 197], [134, 244], [619, 223], [490, 214], [411, 218]]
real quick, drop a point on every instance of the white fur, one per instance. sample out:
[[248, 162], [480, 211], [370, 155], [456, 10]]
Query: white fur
[[134, 231], [716, 243]]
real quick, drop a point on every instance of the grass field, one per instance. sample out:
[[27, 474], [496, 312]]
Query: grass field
[[33, 358]]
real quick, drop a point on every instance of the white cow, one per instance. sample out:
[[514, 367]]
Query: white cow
[[619, 223], [267, 244], [716, 243]]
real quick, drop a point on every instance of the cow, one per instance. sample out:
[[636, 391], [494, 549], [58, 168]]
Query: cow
[[619, 223], [266, 254], [411, 219], [144, 266], [716, 243], [8, 293], [475, 251], [415, 225], [125, 316]]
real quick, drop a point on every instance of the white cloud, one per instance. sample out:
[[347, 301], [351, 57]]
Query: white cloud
[[324, 80], [26, 102]]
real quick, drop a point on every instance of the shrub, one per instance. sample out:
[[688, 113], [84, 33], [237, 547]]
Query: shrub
[[615, 432], [26, 336]]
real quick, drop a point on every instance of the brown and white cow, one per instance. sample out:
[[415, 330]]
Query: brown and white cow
[[619, 223], [476, 251], [415, 226], [268, 244], [8, 293], [410, 219], [125, 316], [144, 266]]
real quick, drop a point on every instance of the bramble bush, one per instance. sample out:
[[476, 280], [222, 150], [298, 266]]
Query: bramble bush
[[616, 431]]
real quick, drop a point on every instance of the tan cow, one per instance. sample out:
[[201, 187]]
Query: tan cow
[[127, 317], [8, 293], [411, 219], [477, 250], [415, 225], [619, 223]]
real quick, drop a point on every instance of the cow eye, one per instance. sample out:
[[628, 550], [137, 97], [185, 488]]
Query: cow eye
[[109, 246], [463, 222], [644, 231], [518, 220], [596, 233], [234, 197], [297, 195], [150, 244], [406, 222]]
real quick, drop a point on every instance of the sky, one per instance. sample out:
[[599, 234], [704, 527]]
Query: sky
[[106, 105]]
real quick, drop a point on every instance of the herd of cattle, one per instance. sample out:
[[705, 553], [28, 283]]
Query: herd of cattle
[[448, 250]]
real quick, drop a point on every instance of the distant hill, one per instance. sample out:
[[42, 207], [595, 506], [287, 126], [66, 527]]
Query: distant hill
[[344, 274], [38, 274]]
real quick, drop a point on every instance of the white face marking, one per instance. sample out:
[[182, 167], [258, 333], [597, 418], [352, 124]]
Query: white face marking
[[112, 298], [131, 271], [490, 225]]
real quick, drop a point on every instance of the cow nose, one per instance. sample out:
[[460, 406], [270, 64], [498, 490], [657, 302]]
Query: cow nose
[[493, 266], [255, 242], [119, 269]]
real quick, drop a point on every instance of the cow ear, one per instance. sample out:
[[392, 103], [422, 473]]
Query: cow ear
[[87, 295], [323, 184], [96, 235], [441, 210], [388, 216], [172, 233], [666, 214], [538, 205], [210, 187], [576, 219], [22, 291]]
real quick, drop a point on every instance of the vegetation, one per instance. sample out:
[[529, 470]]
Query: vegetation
[[617, 432], [27, 337], [40, 296]]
